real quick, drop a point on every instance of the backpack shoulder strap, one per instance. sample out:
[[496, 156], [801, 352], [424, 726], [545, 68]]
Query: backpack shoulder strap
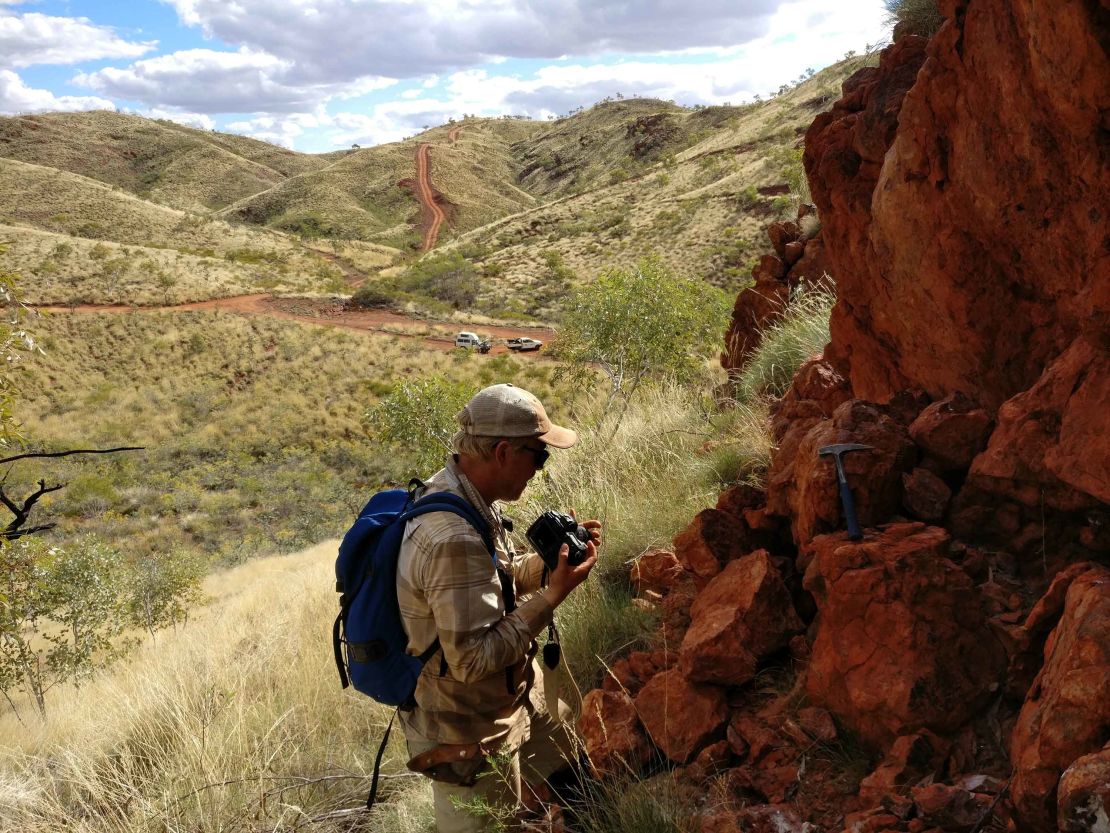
[[448, 502]]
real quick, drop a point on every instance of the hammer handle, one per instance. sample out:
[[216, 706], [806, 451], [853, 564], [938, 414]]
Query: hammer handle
[[849, 504]]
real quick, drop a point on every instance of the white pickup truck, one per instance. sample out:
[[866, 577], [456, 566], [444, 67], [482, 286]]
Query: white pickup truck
[[524, 344]]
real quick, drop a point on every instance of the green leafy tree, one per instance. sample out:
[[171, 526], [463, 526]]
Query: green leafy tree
[[638, 324], [418, 418], [162, 588], [61, 610]]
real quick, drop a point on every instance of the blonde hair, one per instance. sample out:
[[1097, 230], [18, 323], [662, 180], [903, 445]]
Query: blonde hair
[[475, 445]]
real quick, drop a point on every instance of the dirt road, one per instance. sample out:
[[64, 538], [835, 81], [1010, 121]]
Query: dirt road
[[439, 335], [433, 214]]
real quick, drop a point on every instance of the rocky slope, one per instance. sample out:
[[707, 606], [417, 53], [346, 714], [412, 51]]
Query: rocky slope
[[950, 670]]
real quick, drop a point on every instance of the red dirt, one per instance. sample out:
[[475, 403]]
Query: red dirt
[[433, 214], [329, 313], [453, 134]]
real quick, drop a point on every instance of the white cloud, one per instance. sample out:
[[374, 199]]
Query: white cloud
[[280, 130], [335, 40], [733, 75], [30, 39], [198, 120], [17, 97], [207, 80]]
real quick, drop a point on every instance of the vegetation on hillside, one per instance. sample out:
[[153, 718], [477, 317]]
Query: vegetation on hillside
[[915, 17], [163, 161], [587, 192], [206, 731]]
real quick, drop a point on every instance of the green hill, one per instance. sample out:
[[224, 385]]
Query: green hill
[[366, 195], [75, 239], [534, 206], [159, 160]]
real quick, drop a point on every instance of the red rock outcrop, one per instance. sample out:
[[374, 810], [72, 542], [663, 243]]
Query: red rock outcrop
[[744, 614], [963, 186], [963, 201], [797, 258], [615, 740], [1067, 712], [681, 717], [903, 642]]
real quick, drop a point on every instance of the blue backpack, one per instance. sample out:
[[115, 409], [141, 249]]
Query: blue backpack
[[369, 624]]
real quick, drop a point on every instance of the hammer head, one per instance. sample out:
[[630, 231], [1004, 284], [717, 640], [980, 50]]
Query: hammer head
[[842, 448]]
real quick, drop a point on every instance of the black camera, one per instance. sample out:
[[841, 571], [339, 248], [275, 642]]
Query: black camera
[[553, 529]]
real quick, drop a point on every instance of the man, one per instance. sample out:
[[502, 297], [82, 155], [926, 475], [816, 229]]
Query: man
[[476, 697]]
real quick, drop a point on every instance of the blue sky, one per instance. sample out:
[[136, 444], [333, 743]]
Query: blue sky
[[316, 75]]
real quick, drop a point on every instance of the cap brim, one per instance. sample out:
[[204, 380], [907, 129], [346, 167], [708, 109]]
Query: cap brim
[[559, 437]]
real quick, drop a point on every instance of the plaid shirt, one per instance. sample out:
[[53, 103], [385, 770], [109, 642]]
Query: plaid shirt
[[447, 586]]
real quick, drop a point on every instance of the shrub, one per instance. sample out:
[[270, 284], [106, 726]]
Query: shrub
[[916, 17], [372, 296], [802, 331], [418, 419], [449, 278]]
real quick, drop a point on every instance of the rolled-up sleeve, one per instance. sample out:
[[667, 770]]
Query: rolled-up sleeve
[[463, 590], [528, 572]]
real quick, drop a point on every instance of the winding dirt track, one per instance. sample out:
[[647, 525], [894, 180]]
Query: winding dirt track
[[439, 335], [434, 217], [427, 197]]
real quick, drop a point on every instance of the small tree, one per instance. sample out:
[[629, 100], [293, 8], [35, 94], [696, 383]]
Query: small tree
[[418, 418], [61, 611], [162, 588], [639, 324], [166, 282]]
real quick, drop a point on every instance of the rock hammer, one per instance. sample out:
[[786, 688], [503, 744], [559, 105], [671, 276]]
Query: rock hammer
[[836, 452]]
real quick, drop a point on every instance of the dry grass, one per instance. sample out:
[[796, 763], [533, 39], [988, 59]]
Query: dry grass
[[252, 426], [236, 722], [166, 162], [209, 256]]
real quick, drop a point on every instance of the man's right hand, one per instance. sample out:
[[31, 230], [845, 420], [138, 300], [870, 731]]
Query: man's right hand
[[564, 578]]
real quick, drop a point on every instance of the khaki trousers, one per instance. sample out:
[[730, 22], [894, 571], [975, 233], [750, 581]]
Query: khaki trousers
[[503, 783]]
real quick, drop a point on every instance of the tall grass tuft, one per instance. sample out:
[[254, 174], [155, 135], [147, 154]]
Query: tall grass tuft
[[802, 332], [237, 722], [916, 17]]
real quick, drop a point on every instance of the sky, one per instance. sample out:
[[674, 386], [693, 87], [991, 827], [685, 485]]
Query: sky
[[318, 75]]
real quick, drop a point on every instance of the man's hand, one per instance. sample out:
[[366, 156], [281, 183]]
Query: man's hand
[[564, 578], [594, 528]]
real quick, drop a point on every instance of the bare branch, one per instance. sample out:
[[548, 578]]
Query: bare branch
[[43, 454], [12, 530]]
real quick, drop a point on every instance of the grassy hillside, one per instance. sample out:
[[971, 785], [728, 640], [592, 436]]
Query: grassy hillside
[[366, 195], [252, 426], [626, 178], [533, 206], [159, 160], [106, 245]]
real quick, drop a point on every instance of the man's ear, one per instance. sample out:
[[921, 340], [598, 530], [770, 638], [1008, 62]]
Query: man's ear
[[501, 452]]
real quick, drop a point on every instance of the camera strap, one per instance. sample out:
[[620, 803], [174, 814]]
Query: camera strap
[[562, 699]]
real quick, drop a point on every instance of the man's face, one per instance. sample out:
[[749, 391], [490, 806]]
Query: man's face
[[521, 462]]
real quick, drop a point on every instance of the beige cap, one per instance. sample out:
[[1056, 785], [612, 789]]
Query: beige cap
[[509, 411]]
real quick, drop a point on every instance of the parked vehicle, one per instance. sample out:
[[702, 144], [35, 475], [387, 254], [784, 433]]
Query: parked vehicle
[[524, 344], [485, 346], [467, 340]]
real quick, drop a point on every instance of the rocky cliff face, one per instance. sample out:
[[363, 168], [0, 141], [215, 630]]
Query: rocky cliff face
[[948, 671]]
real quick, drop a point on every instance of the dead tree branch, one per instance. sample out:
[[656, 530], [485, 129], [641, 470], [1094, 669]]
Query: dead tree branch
[[15, 529]]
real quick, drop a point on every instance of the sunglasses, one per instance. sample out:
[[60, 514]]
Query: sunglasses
[[539, 455]]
